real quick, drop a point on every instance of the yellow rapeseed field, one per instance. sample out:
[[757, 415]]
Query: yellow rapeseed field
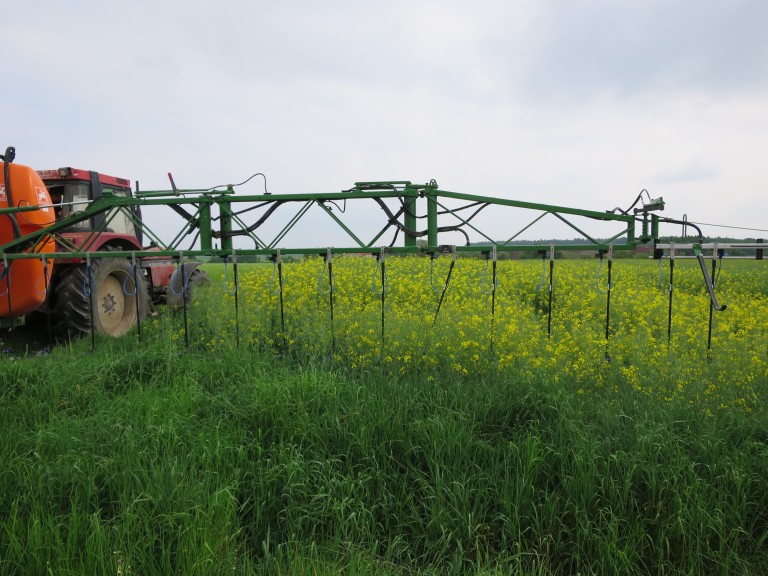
[[511, 330]]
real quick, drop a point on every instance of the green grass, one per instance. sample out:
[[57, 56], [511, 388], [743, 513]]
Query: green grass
[[150, 459]]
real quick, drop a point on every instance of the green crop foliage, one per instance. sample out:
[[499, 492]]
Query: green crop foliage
[[459, 442]]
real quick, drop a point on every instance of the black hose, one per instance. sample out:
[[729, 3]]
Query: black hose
[[684, 223], [8, 158]]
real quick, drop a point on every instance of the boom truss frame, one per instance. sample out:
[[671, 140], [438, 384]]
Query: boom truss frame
[[215, 218]]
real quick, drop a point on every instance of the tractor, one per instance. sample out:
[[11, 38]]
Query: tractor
[[79, 294]]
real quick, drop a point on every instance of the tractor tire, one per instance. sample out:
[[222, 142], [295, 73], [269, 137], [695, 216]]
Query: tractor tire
[[114, 312], [196, 278]]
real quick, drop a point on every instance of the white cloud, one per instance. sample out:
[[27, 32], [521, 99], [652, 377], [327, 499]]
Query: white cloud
[[579, 104]]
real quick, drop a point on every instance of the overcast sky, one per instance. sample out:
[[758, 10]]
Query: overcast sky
[[575, 103]]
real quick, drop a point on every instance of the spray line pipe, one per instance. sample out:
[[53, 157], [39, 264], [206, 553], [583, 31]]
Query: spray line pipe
[[670, 291], [492, 257], [234, 292], [89, 278], [136, 293], [608, 302], [328, 264], [278, 268], [184, 298], [447, 281], [6, 275], [384, 282], [549, 301]]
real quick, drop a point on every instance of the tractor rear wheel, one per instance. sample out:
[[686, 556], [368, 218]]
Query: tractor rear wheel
[[175, 299], [113, 298]]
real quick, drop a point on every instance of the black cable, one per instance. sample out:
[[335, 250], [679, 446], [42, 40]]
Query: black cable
[[212, 188], [256, 207], [453, 229], [393, 221], [342, 210], [243, 232], [465, 207], [696, 225], [192, 244], [726, 226], [394, 238], [459, 209], [8, 158], [26, 220], [639, 197], [682, 223]]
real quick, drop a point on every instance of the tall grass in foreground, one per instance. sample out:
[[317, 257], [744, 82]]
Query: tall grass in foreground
[[151, 459]]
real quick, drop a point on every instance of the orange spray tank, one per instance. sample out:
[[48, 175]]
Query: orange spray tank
[[24, 282]]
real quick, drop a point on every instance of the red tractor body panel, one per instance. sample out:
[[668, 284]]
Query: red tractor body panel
[[71, 187], [69, 173], [160, 271]]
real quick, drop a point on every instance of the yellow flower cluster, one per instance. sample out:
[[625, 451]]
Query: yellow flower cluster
[[513, 330]]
